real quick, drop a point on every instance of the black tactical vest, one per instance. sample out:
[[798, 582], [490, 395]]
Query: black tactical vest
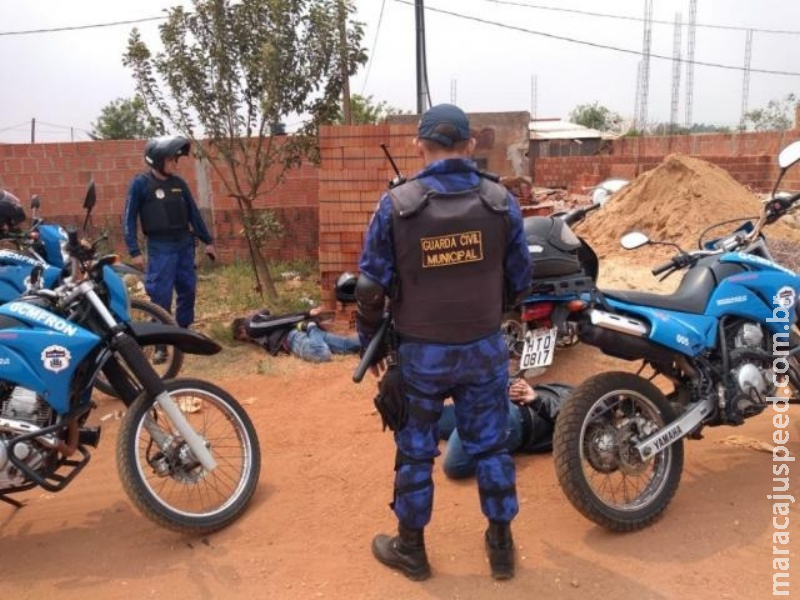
[[449, 251], [164, 212]]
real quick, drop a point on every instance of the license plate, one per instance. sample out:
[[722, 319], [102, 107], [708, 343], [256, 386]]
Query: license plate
[[540, 344]]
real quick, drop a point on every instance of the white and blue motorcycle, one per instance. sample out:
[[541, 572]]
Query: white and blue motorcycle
[[187, 452], [727, 342]]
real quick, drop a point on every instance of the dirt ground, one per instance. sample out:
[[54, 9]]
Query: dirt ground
[[325, 486]]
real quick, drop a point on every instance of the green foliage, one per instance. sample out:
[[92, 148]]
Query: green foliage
[[777, 115], [365, 111], [225, 292], [126, 119], [595, 116], [262, 226], [231, 71]]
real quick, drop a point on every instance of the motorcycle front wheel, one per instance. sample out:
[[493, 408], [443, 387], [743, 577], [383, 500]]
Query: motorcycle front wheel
[[168, 485], [598, 466], [165, 360]]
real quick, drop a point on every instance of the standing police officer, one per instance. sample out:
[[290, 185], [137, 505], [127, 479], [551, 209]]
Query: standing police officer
[[444, 248], [163, 204]]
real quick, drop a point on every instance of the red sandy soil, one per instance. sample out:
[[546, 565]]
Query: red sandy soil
[[324, 491]]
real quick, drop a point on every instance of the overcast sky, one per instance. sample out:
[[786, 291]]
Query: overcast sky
[[64, 79]]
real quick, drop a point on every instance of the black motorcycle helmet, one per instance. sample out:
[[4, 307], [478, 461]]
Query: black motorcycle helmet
[[11, 211], [160, 149], [346, 287]]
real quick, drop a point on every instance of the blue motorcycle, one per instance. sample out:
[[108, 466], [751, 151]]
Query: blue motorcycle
[[187, 452], [45, 243], [726, 340]]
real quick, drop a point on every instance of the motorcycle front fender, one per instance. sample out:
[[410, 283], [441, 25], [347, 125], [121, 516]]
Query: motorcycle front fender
[[186, 340]]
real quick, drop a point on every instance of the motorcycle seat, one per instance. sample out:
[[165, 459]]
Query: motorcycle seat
[[691, 296]]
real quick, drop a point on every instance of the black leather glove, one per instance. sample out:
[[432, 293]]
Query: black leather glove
[[391, 400]]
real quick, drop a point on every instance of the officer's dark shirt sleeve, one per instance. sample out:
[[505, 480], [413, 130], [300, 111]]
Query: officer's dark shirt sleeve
[[195, 218], [377, 258], [133, 204], [518, 261]]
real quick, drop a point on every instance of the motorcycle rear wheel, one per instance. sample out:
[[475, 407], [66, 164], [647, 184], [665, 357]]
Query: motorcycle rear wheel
[[146, 311], [172, 489], [593, 447]]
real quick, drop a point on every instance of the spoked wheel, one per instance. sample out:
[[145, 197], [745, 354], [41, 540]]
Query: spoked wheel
[[598, 467], [166, 482], [166, 360]]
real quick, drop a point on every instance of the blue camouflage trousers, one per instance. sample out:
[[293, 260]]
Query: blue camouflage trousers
[[475, 375]]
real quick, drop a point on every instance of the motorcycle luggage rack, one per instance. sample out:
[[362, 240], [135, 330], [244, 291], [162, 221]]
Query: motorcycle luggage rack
[[563, 286]]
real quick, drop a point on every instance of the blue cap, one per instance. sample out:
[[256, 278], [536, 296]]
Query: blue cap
[[444, 123]]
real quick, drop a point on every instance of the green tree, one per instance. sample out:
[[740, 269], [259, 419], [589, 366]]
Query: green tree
[[595, 116], [125, 119], [777, 115], [232, 72], [365, 111]]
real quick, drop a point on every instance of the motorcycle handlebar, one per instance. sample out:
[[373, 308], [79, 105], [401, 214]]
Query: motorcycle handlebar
[[663, 267], [578, 214]]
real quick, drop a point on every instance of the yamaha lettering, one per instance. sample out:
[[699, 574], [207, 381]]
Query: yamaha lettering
[[668, 437], [453, 249], [40, 315]]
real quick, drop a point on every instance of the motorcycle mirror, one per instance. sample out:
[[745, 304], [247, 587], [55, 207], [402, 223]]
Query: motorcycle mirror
[[91, 197], [789, 155], [633, 240], [605, 189], [35, 202], [600, 196]]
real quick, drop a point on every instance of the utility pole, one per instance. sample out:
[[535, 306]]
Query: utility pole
[[346, 113], [423, 94], [33, 130]]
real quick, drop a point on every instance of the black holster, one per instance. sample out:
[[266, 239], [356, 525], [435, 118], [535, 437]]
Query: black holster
[[391, 399]]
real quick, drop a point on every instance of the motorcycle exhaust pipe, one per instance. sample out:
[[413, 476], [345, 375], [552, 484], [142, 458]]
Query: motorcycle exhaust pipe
[[618, 323], [23, 428]]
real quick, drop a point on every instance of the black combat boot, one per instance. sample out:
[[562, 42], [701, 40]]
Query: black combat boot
[[404, 552], [500, 548]]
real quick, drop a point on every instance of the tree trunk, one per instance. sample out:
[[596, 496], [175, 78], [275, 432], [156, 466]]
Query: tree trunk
[[264, 281]]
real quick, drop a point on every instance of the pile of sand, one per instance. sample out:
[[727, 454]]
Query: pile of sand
[[675, 202]]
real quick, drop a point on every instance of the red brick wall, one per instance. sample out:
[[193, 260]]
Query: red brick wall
[[59, 174], [353, 175], [751, 159]]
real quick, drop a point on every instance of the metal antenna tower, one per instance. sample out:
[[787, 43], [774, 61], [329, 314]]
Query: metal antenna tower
[[690, 61], [637, 101], [645, 75], [748, 54], [676, 72]]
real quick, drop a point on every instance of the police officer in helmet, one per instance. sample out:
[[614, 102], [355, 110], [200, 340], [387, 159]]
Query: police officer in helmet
[[161, 202], [446, 248]]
